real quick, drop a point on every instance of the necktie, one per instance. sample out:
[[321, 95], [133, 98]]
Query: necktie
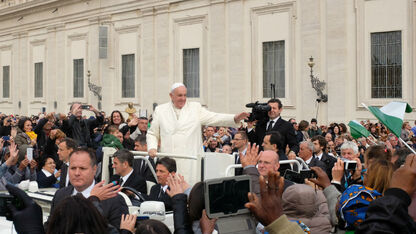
[[269, 128], [121, 181]]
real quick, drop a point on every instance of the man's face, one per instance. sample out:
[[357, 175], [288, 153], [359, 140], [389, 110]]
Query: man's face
[[139, 147], [77, 108], [162, 174], [81, 172], [349, 154], [213, 143], [268, 163], [238, 142], [178, 97], [209, 132], [331, 145], [317, 147], [119, 167], [143, 125], [267, 145], [304, 152], [275, 111], [63, 152]]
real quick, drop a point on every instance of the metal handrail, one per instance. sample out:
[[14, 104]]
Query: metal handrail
[[293, 161], [143, 153]]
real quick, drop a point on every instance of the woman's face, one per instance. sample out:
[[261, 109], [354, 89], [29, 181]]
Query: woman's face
[[116, 118], [49, 165], [27, 127], [336, 130]]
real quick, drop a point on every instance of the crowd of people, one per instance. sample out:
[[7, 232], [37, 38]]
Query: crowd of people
[[366, 185]]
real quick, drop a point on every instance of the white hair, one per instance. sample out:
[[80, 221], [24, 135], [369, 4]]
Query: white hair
[[350, 145], [309, 144]]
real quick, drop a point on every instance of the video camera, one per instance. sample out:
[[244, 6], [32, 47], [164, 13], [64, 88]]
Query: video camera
[[258, 111]]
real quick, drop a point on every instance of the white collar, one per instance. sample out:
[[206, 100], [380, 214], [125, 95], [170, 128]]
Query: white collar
[[309, 160], [275, 119], [164, 188], [47, 173], [126, 177], [320, 155], [86, 193]]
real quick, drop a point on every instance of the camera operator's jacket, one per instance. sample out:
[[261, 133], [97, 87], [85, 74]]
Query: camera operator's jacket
[[182, 135]]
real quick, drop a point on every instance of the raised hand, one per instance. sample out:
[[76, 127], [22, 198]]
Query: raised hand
[[252, 155], [322, 179], [104, 192], [268, 207]]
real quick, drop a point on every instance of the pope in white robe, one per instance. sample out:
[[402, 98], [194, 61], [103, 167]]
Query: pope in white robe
[[177, 125]]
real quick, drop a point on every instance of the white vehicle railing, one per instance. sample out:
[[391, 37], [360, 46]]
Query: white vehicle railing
[[108, 153], [230, 167]]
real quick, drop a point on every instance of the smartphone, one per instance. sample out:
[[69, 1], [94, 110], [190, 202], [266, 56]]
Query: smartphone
[[85, 107], [350, 165], [307, 174], [6, 138], [29, 153]]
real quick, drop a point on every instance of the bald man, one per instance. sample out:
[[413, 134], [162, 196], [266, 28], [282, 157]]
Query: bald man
[[177, 125]]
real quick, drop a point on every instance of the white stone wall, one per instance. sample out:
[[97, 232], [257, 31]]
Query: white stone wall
[[229, 34]]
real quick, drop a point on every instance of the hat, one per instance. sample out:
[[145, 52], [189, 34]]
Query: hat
[[176, 85]]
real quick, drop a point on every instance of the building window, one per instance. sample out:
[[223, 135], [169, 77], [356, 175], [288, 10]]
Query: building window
[[6, 81], [386, 65], [127, 76], [38, 80], [191, 71], [274, 68], [78, 78]]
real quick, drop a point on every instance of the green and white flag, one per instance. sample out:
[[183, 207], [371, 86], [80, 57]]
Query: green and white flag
[[357, 130], [391, 115]]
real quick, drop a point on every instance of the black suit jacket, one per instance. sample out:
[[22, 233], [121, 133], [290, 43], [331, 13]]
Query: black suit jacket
[[143, 169], [315, 162], [329, 163], [112, 208], [64, 172], [285, 129], [157, 194], [135, 181]]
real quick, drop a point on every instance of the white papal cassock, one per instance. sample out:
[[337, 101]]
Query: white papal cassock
[[179, 132]]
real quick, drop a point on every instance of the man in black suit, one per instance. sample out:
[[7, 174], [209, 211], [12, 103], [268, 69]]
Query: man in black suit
[[83, 165], [306, 153], [239, 142], [65, 148], [164, 167], [140, 165], [275, 123], [125, 174], [319, 143], [272, 141]]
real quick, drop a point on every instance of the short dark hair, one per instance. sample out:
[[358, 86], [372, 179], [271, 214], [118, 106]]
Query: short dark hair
[[89, 152], [169, 163], [402, 155], [276, 100], [243, 134], [152, 226], [70, 143], [303, 125], [141, 139], [321, 140], [314, 120], [124, 155], [275, 139], [145, 118]]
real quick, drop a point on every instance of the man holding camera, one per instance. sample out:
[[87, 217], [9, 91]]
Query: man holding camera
[[275, 123], [177, 126], [80, 129]]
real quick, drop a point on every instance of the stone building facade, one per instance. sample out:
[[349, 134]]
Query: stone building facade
[[227, 51]]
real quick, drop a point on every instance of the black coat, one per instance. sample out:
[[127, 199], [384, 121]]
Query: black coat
[[285, 129], [181, 218], [157, 194], [143, 169], [315, 162], [329, 163], [388, 214], [135, 181], [112, 208], [64, 172], [45, 181], [80, 130]]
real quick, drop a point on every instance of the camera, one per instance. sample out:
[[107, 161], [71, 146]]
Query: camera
[[349, 165], [258, 111], [85, 107]]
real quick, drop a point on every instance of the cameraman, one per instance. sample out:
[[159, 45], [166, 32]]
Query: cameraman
[[275, 123]]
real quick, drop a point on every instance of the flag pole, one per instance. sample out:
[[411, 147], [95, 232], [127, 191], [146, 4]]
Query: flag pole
[[372, 140], [408, 146]]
